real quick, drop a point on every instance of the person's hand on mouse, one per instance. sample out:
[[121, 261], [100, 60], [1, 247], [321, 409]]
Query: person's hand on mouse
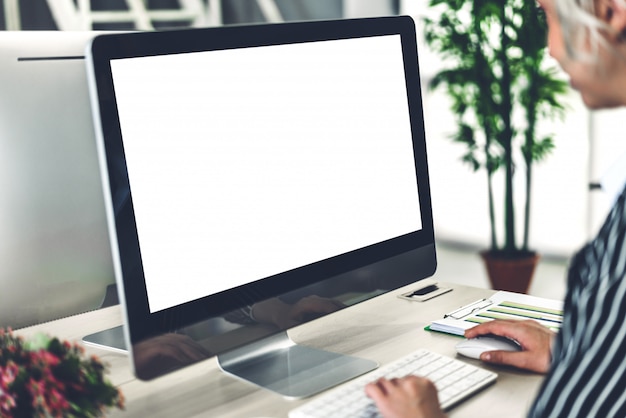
[[534, 338], [407, 397]]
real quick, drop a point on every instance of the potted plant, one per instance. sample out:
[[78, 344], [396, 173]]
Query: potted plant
[[47, 377], [500, 88]]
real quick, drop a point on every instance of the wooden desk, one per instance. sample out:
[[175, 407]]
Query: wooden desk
[[381, 329]]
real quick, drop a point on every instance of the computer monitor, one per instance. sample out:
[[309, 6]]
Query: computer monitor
[[258, 177], [54, 248]]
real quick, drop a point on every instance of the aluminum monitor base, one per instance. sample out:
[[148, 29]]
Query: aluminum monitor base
[[294, 371], [109, 339]]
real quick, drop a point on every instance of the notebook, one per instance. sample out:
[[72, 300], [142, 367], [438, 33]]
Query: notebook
[[502, 305]]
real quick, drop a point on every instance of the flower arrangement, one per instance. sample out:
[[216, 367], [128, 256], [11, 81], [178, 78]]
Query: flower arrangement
[[47, 377]]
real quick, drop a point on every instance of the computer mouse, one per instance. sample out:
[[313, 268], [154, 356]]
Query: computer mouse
[[474, 347]]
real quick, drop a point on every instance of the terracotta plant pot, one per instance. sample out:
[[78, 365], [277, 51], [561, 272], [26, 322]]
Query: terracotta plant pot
[[512, 274]]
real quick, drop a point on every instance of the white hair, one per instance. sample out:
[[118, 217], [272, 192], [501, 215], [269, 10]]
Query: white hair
[[582, 30]]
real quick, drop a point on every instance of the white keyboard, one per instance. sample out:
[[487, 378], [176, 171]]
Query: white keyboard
[[454, 379]]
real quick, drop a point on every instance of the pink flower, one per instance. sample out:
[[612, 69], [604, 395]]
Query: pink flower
[[7, 402], [56, 401], [37, 394], [8, 374], [44, 358], [36, 388]]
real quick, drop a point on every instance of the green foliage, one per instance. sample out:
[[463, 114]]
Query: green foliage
[[497, 50]]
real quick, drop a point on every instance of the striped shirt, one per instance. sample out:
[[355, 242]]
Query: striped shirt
[[588, 373]]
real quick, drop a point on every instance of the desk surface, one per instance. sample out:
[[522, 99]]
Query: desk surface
[[381, 329]]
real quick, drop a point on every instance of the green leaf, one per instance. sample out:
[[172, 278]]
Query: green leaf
[[494, 162], [465, 135], [540, 148], [38, 342]]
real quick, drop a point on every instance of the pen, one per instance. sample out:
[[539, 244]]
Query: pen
[[469, 309]]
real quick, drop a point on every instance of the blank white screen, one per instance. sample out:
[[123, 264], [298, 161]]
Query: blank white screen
[[250, 162]]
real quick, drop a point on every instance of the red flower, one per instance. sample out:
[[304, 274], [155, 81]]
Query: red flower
[[56, 401], [44, 358], [7, 402], [51, 378], [8, 374]]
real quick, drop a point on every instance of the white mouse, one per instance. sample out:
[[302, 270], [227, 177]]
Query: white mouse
[[474, 347]]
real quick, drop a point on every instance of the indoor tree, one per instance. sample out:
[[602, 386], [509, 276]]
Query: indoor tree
[[501, 87]]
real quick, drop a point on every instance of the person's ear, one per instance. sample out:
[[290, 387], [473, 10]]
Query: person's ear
[[615, 16]]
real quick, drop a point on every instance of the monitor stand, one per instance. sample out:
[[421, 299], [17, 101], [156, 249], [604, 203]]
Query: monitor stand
[[294, 371], [113, 338], [275, 363], [110, 339]]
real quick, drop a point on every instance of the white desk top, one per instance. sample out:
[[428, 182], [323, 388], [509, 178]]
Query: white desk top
[[381, 329]]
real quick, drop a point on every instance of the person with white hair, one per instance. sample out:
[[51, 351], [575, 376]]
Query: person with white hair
[[585, 363]]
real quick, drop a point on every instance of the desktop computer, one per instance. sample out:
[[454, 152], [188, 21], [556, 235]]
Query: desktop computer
[[251, 172], [256, 178], [55, 251]]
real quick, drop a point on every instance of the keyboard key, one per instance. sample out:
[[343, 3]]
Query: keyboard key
[[454, 380]]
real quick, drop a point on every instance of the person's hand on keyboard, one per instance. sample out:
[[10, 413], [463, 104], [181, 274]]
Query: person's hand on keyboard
[[534, 338], [407, 397]]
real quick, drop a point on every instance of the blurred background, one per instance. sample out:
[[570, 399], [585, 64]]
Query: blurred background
[[567, 207]]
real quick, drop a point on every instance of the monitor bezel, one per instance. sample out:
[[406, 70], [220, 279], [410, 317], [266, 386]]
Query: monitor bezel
[[105, 48]]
